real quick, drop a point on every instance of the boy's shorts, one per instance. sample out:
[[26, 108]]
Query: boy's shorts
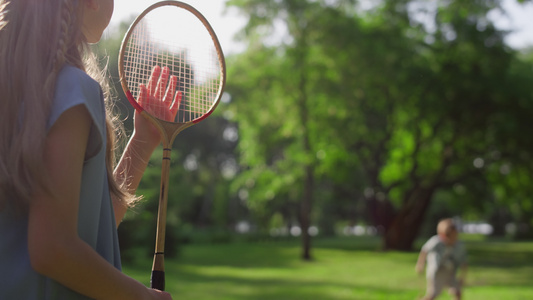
[[443, 278]]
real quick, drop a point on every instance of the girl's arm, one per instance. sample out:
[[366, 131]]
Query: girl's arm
[[146, 137], [55, 248], [134, 160]]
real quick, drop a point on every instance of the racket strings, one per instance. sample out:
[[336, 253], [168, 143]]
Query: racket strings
[[183, 45]]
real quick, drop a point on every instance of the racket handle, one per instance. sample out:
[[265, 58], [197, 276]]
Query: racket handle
[[157, 281]]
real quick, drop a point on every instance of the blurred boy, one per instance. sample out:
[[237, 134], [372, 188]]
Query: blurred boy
[[445, 254]]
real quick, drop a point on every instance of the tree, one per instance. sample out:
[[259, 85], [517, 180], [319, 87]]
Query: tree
[[287, 157], [402, 108]]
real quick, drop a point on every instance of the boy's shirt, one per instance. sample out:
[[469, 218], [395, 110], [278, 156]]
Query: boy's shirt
[[442, 256]]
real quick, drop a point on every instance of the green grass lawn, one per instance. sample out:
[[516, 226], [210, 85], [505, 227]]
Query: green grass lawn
[[343, 268]]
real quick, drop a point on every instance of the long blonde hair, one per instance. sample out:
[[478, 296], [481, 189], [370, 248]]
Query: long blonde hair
[[37, 38]]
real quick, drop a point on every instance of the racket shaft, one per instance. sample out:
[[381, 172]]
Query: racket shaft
[[158, 268], [157, 281], [174, 35]]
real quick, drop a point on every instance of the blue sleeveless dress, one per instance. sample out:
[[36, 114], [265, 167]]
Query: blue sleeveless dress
[[96, 221]]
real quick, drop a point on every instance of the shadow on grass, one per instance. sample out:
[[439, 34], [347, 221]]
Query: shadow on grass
[[342, 269], [293, 289], [191, 282], [503, 264], [500, 254]]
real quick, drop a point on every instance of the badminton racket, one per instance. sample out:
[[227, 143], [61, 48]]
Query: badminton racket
[[173, 72]]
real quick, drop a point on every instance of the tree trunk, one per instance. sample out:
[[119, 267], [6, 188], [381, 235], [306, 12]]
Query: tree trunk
[[305, 213], [404, 227]]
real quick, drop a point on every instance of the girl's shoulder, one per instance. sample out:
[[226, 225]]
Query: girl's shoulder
[[75, 87], [72, 77]]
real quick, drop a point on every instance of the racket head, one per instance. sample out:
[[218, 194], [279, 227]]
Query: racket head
[[174, 35]]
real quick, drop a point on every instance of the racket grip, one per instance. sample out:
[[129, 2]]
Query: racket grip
[[157, 281]]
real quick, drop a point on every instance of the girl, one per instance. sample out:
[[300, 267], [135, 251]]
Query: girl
[[60, 200]]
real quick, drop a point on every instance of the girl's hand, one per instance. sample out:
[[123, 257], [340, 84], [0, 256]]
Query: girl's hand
[[159, 295], [160, 100]]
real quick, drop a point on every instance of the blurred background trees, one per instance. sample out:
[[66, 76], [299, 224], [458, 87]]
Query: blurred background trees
[[390, 115]]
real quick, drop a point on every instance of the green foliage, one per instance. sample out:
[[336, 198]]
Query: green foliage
[[400, 115], [394, 108]]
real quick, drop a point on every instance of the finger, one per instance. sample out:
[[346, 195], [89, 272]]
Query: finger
[[162, 83], [176, 104], [142, 95], [152, 82], [171, 89]]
